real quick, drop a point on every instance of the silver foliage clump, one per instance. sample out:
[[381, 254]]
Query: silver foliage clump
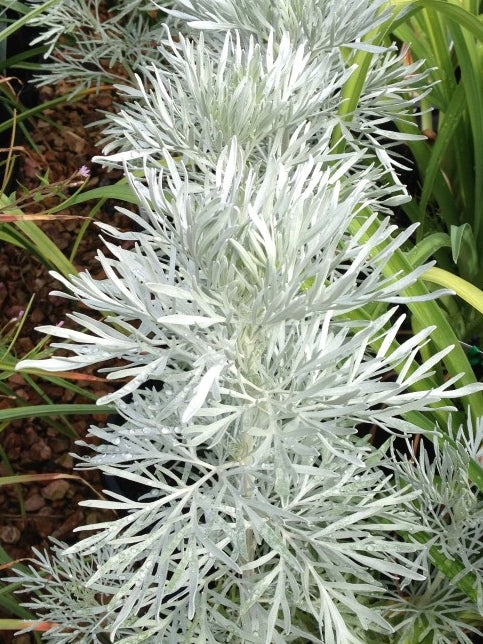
[[92, 42], [449, 509], [247, 363]]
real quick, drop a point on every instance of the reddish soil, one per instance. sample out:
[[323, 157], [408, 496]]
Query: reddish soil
[[30, 513]]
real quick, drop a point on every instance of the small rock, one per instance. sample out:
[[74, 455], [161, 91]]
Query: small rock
[[40, 451], [59, 444], [37, 315], [14, 311], [44, 522], [55, 490], [65, 461], [104, 100], [34, 503], [9, 534], [73, 521], [30, 435]]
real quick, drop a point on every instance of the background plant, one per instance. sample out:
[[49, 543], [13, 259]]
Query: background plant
[[448, 37], [259, 294], [105, 42]]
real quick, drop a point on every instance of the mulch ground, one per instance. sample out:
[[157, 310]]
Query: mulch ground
[[31, 513]]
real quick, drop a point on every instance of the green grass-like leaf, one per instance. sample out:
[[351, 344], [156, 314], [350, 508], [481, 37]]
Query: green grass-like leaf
[[41, 411]]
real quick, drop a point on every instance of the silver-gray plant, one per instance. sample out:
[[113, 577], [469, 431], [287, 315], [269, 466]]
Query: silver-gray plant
[[248, 360], [92, 42]]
